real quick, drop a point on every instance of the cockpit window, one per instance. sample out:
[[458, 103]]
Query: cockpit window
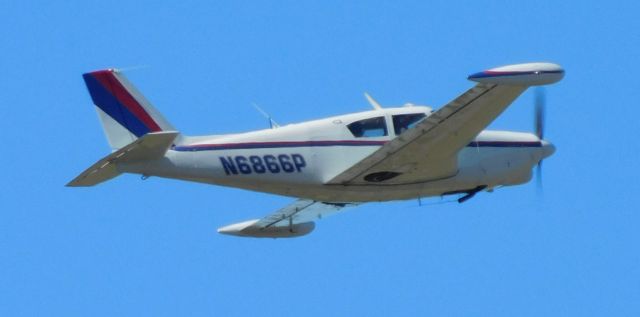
[[368, 128], [404, 122]]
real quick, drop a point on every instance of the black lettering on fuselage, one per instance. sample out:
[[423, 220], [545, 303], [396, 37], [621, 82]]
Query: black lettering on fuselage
[[298, 161], [274, 164], [229, 166]]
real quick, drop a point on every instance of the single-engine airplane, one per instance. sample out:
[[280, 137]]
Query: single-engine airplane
[[333, 163]]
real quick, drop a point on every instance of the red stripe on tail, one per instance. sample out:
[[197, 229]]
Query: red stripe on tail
[[113, 85]]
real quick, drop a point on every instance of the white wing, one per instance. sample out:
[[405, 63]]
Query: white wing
[[429, 150], [294, 220]]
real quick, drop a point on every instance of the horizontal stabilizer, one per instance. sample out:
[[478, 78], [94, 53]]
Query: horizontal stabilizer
[[149, 147]]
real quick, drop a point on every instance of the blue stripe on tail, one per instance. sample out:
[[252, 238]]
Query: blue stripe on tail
[[108, 103]]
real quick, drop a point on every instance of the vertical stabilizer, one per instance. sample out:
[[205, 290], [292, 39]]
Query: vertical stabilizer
[[124, 112]]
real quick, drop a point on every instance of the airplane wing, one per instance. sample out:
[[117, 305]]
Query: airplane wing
[[428, 151], [294, 220]]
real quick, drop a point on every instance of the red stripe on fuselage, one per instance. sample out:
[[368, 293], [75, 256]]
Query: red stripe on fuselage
[[113, 85]]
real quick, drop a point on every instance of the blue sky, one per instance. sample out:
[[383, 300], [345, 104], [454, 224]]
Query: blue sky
[[132, 248]]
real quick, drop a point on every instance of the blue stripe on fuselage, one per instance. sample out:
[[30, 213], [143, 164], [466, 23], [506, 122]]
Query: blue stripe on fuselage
[[271, 145]]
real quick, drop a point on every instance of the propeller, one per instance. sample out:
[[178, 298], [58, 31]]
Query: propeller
[[539, 117]]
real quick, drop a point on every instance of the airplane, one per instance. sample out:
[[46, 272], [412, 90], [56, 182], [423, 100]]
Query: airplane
[[331, 164]]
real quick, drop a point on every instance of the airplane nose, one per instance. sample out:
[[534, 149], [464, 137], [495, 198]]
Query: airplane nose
[[547, 149]]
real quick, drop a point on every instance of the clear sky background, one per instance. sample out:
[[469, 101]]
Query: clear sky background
[[150, 248]]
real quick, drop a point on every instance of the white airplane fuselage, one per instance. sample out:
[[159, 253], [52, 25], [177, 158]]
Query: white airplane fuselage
[[300, 159]]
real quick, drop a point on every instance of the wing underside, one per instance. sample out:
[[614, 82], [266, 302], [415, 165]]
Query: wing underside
[[429, 150]]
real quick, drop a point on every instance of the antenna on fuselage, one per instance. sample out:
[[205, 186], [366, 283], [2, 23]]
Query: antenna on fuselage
[[373, 102], [272, 123]]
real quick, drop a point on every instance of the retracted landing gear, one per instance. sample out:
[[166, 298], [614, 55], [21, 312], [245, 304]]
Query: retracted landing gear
[[471, 193], [291, 224]]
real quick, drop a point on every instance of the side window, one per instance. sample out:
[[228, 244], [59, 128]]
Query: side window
[[405, 122], [369, 128]]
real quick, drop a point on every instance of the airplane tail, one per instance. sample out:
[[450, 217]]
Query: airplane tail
[[136, 131], [124, 112]]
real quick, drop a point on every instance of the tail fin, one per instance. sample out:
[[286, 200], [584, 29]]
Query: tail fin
[[124, 112]]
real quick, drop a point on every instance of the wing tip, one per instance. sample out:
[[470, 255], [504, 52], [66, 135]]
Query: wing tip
[[526, 74], [250, 229]]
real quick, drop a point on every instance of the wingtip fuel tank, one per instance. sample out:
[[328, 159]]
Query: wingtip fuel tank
[[250, 229], [529, 74]]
